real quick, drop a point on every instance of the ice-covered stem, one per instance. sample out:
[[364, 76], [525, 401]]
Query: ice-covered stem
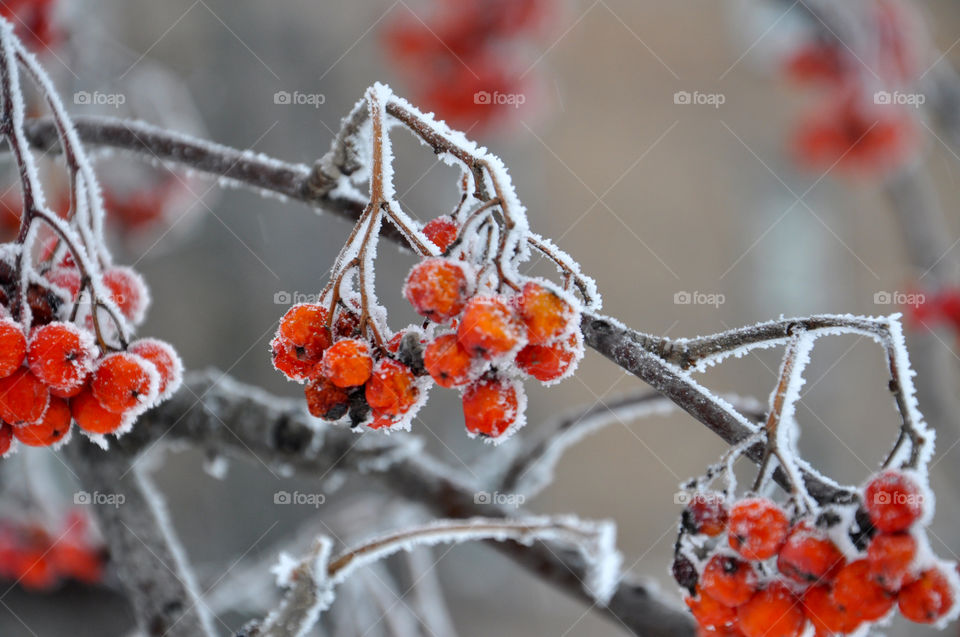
[[143, 550]]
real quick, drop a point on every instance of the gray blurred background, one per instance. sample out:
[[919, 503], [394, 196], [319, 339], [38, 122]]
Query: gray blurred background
[[652, 198]]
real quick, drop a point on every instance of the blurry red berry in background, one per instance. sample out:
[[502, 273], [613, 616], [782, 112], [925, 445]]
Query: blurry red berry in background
[[939, 308], [817, 62], [33, 22]]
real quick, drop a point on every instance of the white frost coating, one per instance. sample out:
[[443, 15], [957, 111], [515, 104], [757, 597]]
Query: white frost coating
[[284, 568]]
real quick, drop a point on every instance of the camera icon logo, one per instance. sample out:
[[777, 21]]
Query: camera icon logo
[[882, 298], [682, 298], [682, 498], [282, 497], [82, 497], [482, 97], [282, 97], [482, 497], [282, 298], [882, 97], [682, 97], [881, 497], [82, 97]]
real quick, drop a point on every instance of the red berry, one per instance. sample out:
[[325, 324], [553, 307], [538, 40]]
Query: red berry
[[889, 557], [347, 324], [893, 500], [165, 359], [928, 598], [286, 362], [729, 580], [303, 329], [442, 231], [446, 360], [706, 514], [61, 355], [51, 429], [772, 612], [391, 390], [437, 288], [488, 327], [854, 590], [827, 617], [347, 363], [124, 381], [13, 346], [91, 416], [490, 407], [710, 613], [128, 291], [807, 556], [546, 315], [67, 279], [548, 362], [757, 528], [6, 437], [23, 398], [325, 400]]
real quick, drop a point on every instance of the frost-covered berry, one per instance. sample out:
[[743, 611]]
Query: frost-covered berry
[[442, 231], [729, 580], [548, 362], [490, 407], [757, 528], [928, 598], [772, 612], [391, 390], [23, 398], [124, 381], [706, 514], [325, 400], [447, 362], [165, 360], [6, 437], [347, 363], [128, 291], [13, 346], [67, 279], [61, 355], [808, 556], [893, 500], [489, 327], [545, 314], [826, 616], [854, 590], [286, 362], [50, 430], [303, 330], [91, 415], [710, 614], [437, 288], [889, 557], [347, 324]]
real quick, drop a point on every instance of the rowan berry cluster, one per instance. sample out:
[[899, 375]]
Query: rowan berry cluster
[[39, 558], [751, 570]]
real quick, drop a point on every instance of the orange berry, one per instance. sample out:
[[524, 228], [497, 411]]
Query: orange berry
[[488, 327], [91, 416], [303, 329], [23, 398], [165, 359], [128, 291], [772, 612], [13, 346], [347, 363], [391, 390], [6, 437], [286, 362], [893, 501], [808, 556], [729, 580], [437, 288], [61, 355], [548, 362], [854, 590], [347, 324], [706, 514], [889, 557], [447, 362], [757, 528], [710, 613], [51, 429], [928, 598], [827, 617], [124, 381], [442, 231], [546, 315], [490, 407], [325, 400]]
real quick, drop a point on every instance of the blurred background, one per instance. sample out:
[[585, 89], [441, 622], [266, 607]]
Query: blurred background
[[655, 197]]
